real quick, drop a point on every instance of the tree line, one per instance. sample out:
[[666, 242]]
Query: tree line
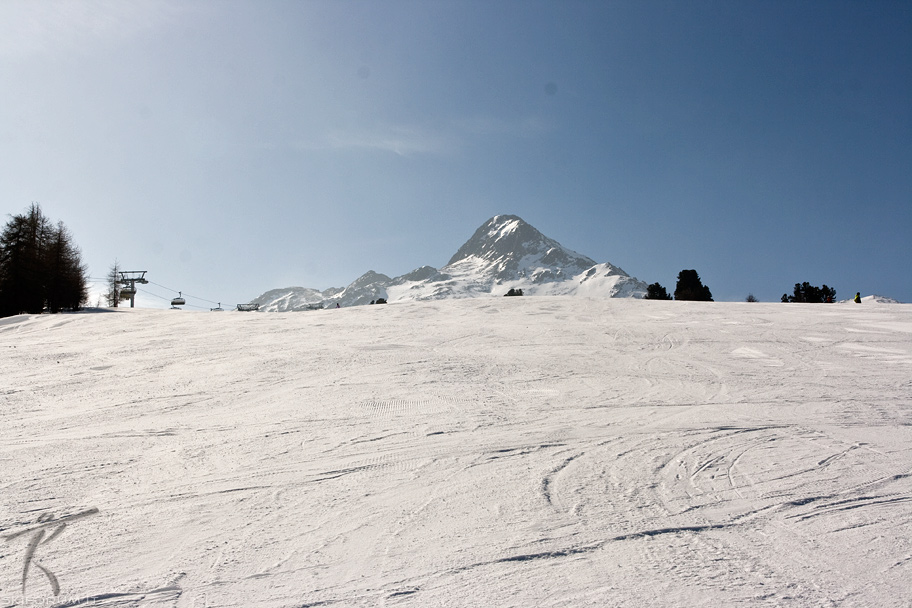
[[690, 287], [41, 268], [805, 292]]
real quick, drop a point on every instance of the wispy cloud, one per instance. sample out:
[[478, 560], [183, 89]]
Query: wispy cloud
[[395, 139], [405, 140]]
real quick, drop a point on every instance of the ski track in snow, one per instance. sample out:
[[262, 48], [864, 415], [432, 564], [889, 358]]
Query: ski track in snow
[[490, 452]]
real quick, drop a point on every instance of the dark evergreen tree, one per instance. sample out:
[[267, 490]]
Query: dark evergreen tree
[[65, 275], [657, 292], [39, 266], [21, 280], [805, 292], [690, 287]]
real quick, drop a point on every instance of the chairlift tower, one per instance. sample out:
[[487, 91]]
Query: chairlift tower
[[129, 278]]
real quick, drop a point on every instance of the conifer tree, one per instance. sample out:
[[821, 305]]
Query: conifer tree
[[112, 295], [690, 287], [65, 282], [805, 292], [40, 267], [656, 292]]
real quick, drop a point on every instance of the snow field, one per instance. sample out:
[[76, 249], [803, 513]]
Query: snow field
[[487, 452]]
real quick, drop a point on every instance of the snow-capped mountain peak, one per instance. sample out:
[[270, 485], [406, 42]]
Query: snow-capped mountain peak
[[505, 252], [506, 240]]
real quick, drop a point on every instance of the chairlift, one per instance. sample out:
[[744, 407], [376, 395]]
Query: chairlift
[[128, 280], [179, 300], [218, 309]]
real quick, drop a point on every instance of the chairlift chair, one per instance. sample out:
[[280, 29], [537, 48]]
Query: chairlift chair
[[179, 300]]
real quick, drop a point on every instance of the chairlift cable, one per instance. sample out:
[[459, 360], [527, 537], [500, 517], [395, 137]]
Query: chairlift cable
[[199, 298], [168, 299], [153, 294], [105, 279], [182, 293]]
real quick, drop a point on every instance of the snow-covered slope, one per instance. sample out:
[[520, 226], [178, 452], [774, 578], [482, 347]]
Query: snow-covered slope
[[505, 252], [874, 299], [476, 452]]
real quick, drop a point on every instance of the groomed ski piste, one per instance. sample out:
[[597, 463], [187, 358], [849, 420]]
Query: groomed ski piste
[[546, 451]]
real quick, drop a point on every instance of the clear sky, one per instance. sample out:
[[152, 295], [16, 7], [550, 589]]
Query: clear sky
[[229, 148]]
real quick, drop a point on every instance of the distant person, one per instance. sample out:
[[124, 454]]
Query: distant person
[[858, 297], [337, 305]]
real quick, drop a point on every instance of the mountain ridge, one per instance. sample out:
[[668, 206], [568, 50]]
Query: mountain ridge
[[505, 252]]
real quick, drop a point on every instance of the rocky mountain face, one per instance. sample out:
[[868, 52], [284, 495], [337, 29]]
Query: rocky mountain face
[[505, 248], [504, 253]]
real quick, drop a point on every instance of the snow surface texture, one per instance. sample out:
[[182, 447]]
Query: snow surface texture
[[478, 452], [505, 252]]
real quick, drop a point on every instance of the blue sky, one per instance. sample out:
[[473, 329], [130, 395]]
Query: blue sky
[[229, 148]]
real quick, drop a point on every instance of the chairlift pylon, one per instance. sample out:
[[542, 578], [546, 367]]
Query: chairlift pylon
[[129, 279]]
